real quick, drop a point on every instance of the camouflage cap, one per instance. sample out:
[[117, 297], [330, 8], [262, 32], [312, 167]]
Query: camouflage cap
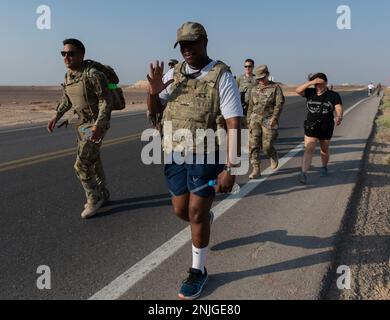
[[261, 72], [190, 31], [173, 61]]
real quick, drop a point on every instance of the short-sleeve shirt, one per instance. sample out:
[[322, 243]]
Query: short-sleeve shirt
[[228, 91], [329, 99]]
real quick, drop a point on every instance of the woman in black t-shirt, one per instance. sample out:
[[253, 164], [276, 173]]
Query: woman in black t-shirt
[[322, 104]]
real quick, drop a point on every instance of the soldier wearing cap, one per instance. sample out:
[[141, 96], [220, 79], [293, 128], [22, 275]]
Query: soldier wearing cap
[[265, 106], [245, 84], [172, 63], [194, 96]]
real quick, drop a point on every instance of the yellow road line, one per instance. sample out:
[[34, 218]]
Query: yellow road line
[[6, 166]]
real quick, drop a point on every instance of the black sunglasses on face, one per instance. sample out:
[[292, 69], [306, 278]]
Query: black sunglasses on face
[[247, 67], [68, 53]]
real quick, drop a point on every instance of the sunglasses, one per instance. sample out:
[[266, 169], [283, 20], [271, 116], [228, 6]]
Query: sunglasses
[[68, 53], [247, 67]]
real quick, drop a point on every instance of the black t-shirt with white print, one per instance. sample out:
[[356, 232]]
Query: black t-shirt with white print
[[314, 102]]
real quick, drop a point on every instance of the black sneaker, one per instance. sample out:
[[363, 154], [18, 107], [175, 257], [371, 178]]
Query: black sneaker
[[302, 178], [192, 287], [324, 172]]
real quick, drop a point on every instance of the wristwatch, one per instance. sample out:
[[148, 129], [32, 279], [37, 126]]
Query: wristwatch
[[229, 169]]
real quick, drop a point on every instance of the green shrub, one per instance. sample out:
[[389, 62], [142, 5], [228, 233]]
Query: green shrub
[[383, 122]]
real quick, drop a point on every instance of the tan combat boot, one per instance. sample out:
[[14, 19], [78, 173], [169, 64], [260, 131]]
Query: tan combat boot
[[91, 209], [274, 163], [106, 198], [255, 173]]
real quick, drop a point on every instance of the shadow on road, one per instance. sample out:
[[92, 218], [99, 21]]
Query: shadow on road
[[364, 249], [129, 204], [224, 278], [340, 172], [281, 237]]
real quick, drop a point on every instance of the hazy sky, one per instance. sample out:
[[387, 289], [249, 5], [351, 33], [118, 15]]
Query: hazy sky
[[294, 38]]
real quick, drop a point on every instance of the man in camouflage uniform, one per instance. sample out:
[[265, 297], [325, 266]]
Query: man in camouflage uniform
[[245, 84], [86, 91], [265, 106], [172, 63]]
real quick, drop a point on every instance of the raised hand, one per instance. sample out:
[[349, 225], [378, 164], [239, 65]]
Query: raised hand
[[318, 81], [155, 78]]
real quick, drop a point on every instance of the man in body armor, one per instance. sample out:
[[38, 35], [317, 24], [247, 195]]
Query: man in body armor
[[245, 84], [86, 90], [196, 95]]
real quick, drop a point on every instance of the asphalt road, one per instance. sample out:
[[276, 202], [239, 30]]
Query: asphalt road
[[41, 201]]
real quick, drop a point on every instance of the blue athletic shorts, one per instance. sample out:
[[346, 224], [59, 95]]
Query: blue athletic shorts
[[193, 178]]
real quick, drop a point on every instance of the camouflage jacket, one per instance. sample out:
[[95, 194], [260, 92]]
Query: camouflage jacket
[[245, 85], [86, 90], [266, 101]]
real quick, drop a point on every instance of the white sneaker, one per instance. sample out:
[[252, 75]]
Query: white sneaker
[[91, 209]]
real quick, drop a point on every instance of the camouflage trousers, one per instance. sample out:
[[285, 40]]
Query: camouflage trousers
[[89, 168], [261, 138]]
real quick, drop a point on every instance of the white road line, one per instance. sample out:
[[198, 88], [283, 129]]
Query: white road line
[[355, 105], [140, 270]]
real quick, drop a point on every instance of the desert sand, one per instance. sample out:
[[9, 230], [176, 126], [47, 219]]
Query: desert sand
[[29, 105]]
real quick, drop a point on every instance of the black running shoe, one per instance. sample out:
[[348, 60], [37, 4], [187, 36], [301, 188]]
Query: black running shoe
[[302, 178], [192, 287], [324, 172]]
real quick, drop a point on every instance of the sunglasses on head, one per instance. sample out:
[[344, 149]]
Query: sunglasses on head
[[68, 53], [247, 67]]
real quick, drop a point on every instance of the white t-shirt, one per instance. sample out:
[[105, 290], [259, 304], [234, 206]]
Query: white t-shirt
[[228, 91]]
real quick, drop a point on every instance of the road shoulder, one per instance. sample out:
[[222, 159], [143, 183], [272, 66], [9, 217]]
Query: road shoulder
[[364, 243]]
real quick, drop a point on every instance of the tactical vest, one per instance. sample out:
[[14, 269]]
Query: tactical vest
[[84, 100], [246, 85], [193, 104], [264, 99]]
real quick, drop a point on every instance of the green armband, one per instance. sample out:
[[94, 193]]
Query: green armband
[[112, 86]]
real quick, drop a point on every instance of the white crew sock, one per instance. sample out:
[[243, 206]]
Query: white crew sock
[[199, 258]]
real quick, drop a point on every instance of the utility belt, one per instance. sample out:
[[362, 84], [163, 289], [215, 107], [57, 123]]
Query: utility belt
[[265, 119], [262, 115], [84, 117]]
